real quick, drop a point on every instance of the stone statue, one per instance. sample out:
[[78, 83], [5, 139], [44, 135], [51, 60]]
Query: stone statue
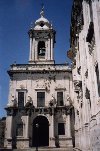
[[13, 102], [29, 102], [68, 100], [52, 101]]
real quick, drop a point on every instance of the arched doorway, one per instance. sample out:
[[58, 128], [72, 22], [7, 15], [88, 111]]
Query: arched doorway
[[40, 131]]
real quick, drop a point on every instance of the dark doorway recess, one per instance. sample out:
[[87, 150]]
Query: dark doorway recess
[[40, 131]]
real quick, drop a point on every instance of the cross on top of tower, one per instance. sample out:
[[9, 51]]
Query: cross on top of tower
[[42, 10]]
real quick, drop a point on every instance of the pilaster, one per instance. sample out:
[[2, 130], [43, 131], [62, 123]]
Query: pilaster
[[9, 121], [68, 126], [51, 48]]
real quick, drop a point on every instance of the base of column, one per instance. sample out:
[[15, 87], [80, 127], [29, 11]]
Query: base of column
[[65, 142], [22, 143], [8, 143], [52, 142]]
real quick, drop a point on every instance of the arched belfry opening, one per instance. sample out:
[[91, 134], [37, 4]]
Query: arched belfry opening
[[41, 49], [40, 131]]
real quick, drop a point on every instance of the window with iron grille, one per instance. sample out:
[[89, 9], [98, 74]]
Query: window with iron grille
[[61, 129], [20, 100], [40, 99], [60, 99]]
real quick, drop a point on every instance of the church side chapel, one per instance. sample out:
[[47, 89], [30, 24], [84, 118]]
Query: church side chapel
[[39, 109]]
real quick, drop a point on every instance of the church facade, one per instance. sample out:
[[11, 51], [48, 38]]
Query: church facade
[[39, 109], [85, 55]]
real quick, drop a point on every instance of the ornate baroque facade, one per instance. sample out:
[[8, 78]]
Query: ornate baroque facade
[[39, 110], [85, 55]]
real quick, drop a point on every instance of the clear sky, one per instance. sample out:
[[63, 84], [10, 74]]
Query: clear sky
[[16, 17]]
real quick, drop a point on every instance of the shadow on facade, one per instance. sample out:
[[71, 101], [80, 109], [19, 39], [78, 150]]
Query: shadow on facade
[[72, 115]]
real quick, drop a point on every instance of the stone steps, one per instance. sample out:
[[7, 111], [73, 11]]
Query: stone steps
[[45, 149], [57, 149], [39, 149]]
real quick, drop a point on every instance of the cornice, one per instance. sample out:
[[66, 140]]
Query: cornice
[[38, 68]]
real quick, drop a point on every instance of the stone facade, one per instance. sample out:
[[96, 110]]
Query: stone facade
[[85, 55], [39, 109]]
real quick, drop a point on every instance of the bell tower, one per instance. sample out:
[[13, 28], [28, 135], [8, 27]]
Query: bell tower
[[42, 39]]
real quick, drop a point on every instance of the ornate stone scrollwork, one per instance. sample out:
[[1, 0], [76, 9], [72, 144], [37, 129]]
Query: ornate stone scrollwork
[[78, 85]]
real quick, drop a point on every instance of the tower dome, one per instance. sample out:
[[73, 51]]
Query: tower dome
[[42, 23]]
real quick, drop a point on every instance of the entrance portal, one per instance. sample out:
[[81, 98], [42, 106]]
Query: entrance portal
[[40, 131]]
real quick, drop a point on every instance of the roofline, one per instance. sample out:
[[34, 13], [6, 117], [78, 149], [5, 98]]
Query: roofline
[[61, 64]]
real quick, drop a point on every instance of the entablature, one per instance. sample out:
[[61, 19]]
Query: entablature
[[13, 111], [38, 68]]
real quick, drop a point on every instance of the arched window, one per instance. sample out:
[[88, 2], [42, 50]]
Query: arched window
[[41, 49]]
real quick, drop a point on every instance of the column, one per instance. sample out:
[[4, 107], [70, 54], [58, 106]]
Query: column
[[69, 138], [30, 57], [47, 49], [34, 48], [27, 126], [51, 133], [68, 126], [9, 131], [26, 137], [51, 48]]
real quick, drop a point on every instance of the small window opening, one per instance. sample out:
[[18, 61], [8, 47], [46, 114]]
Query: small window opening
[[41, 24], [61, 129], [20, 100], [40, 99], [60, 99]]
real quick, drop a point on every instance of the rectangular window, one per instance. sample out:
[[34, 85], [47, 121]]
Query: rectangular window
[[40, 99], [98, 83], [60, 99], [19, 130], [20, 100], [61, 129]]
